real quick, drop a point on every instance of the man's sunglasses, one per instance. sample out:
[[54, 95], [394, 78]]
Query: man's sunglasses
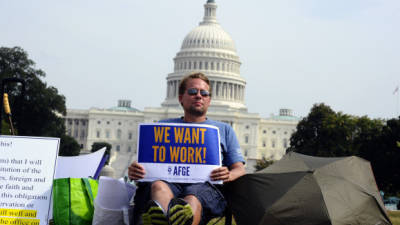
[[194, 91]]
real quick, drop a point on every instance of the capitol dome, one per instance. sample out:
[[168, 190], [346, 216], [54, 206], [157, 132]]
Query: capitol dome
[[209, 36], [211, 50]]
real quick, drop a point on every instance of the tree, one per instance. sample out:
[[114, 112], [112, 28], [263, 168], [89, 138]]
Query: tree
[[323, 133], [5, 128], [99, 145], [40, 111], [329, 134], [68, 146], [262, 163], [386, 157]]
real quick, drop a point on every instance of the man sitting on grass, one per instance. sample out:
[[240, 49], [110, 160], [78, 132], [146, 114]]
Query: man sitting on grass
[[192, 203]]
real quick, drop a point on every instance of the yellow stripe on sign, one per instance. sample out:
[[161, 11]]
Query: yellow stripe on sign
[[4, 220], [18, 213]]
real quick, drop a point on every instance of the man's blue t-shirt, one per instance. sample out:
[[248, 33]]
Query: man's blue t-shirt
[[229, 144]]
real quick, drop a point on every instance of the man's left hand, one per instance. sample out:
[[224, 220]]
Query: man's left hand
[[221, 173]]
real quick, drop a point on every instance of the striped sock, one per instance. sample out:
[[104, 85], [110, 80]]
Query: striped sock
[[179, 212], [154, 214]]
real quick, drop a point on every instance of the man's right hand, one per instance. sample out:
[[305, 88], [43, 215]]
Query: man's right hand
[[136, 171]]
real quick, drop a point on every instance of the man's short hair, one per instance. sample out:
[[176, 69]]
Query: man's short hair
[[196, 75]]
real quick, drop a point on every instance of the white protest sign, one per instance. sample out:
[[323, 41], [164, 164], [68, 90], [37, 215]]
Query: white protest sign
[[178, 152], [27, 167]]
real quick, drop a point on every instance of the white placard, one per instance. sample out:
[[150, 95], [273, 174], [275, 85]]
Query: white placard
[[27, 167], [79, 166]]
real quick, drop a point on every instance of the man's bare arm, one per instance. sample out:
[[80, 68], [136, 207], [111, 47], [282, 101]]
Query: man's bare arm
[[235, 171]]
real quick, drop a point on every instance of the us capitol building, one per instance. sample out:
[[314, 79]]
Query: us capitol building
[[208, 49]]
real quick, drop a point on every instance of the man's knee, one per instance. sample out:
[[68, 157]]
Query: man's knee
[[192, 198], [193, 201], [159, 186]]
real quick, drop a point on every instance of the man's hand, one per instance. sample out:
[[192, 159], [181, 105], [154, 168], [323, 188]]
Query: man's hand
[[136, 171], [221, 173], [235, 171]]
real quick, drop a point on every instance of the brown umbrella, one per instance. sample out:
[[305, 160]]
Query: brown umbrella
[[307, 190]]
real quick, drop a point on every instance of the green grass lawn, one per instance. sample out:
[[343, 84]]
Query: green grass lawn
[[394, 217]]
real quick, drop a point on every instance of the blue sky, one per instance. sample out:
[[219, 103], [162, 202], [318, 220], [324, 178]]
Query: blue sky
[[294, 53]]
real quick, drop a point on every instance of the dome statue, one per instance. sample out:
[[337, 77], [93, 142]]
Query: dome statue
[[209, 49]]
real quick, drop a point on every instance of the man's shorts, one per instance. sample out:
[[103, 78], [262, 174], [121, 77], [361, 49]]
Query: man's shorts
[[211, 199]]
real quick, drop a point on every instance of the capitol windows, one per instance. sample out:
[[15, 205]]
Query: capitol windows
[[273, 143], [223, 66], [118, 148], [130, 135], [200, 65], [212, 66], [246, 139], [76, 122], [190, 65], [107, 134], [98, 134], [285, 143], [206, 65], [69, 121], [83, 123], [195, 65], [119, 134], [274, 132], [98, 122], [217, 66], [119, 123], [184, 67], [129, 149], [264, 131], [264, 144], [82, 135], [76, 134]]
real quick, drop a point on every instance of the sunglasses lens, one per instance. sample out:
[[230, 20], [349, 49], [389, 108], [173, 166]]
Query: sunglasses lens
[[192, 91], [204, 93]]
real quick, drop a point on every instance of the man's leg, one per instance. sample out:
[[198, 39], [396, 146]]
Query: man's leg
[[180, 212], [196, 208], [157, 207], [161, 193], [204, 201]]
